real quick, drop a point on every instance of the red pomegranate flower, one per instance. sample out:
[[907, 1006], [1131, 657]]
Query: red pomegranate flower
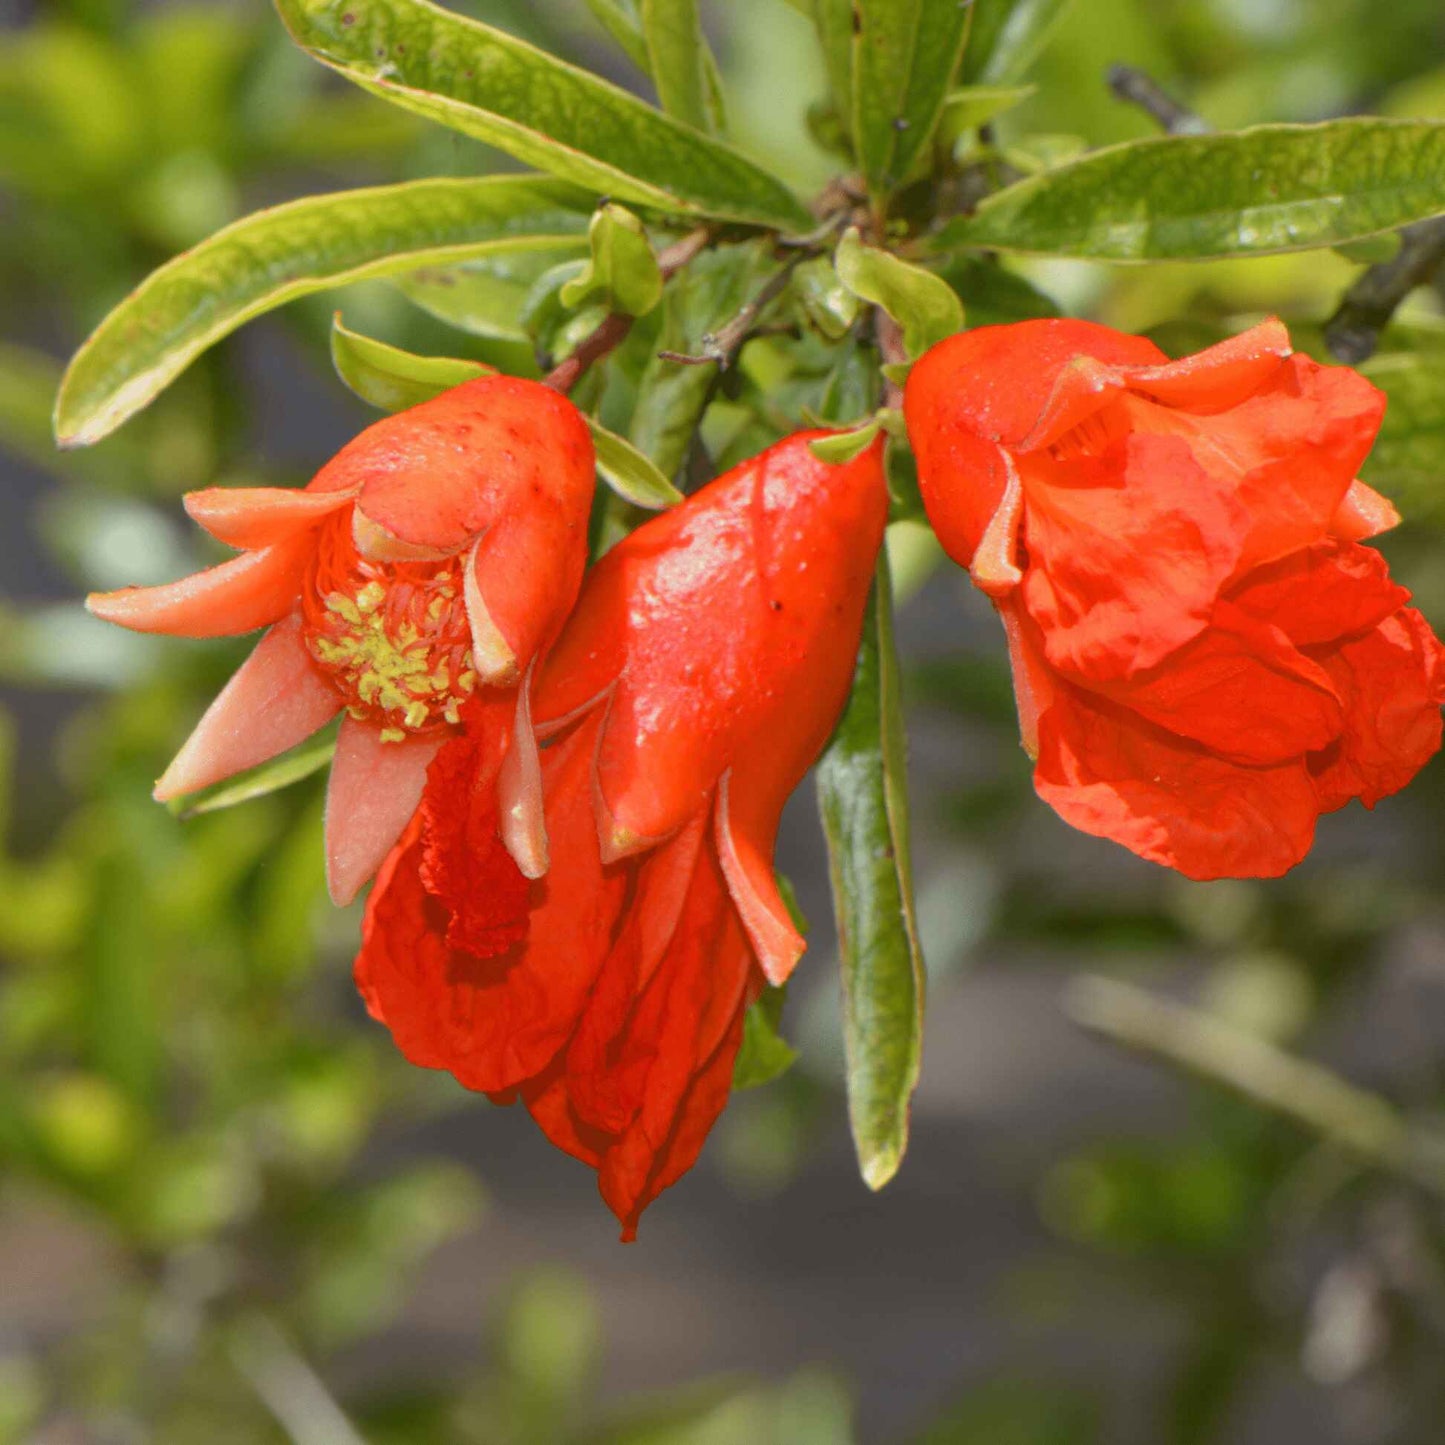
[[699, 677], [1204, 656], [428, 563]]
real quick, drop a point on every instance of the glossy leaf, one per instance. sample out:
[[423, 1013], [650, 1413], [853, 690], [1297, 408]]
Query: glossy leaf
[[270, 777], [765, 1054], [293, 250], [392, 379], [485, 297], [827, 303], [1251, 192], [622, 267], [489, 85], [862, 790], [924, 305], [905, 53], [1008, 36]]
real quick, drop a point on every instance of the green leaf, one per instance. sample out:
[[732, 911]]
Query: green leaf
[[833, 20], [1008, 36], [924, 305], [390, 378], [905, 53], [677, 59], [1255, 192], [862, 792], [621, 20], [843, 446], [629, 473], [485, 297], [975, 105], [1408, 460], [622, 267], [393, 379], [270, 777], [489, 85], [764, 1055], [827, 303], [274, 256]]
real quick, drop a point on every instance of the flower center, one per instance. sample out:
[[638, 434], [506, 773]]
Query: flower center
[[393, 636]]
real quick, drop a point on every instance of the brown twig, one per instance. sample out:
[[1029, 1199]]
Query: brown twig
[[721, 347], [1353, 332], [889, 336], [615, 327], [1138, 88]]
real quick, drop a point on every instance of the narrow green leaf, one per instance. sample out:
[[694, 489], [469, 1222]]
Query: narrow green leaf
[[677, 52], [1008, 36], [623, 22], [862, 792], [923, 304], [974, 105], [1252, 192], [393, 379], [270, 777], [834, 22], [274, 256], [487, 84], [390, 378], [629, 473], [622, 268], [843, 446], [485, 297], [765, 1054], [905, 53]]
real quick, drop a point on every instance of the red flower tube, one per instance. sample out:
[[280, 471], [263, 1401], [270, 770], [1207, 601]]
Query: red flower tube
[[428, 563], [702, 671], [1204, 656]]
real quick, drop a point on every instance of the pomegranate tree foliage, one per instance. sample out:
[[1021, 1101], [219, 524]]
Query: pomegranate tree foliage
[[959, 138]]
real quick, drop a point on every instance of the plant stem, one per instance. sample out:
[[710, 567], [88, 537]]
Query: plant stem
[[1362, 1122], [614, 328], [1353, 332], [722, 346], [1141, 89]]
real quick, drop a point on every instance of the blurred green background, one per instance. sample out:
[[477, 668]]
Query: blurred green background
[[228, 1212]]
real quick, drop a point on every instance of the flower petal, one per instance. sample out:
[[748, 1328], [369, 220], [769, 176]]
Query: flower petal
[[375, 788], [747, 828], [277, 698], [1220, 376], [1127, 553], [253, 517], [1242, 689], [519, 790], [1363, 513], [1114, 775], [1322, 593], [250, 591], [1392, 681]]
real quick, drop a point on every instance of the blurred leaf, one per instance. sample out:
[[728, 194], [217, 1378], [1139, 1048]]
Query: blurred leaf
[[496, 88], [677, 59], [393, 379], [925, 306], [1408, 460], [765, 1055], [991, 294], [1019, 1412], [862, 791], [1007, 37], [1253, 192], [834, 20], [622, 268], [623, 22], [270, 777], [551, 1338], [485, 297], [905, 53], [293, 250], [974, 105]]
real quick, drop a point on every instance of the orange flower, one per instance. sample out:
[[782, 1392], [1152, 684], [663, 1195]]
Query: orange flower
[[699, 677], [431, 561], [1204, 657]]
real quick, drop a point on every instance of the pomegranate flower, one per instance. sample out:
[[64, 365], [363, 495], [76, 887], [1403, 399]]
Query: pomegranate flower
[[1205, 658], [705, 665], [430, 562]]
